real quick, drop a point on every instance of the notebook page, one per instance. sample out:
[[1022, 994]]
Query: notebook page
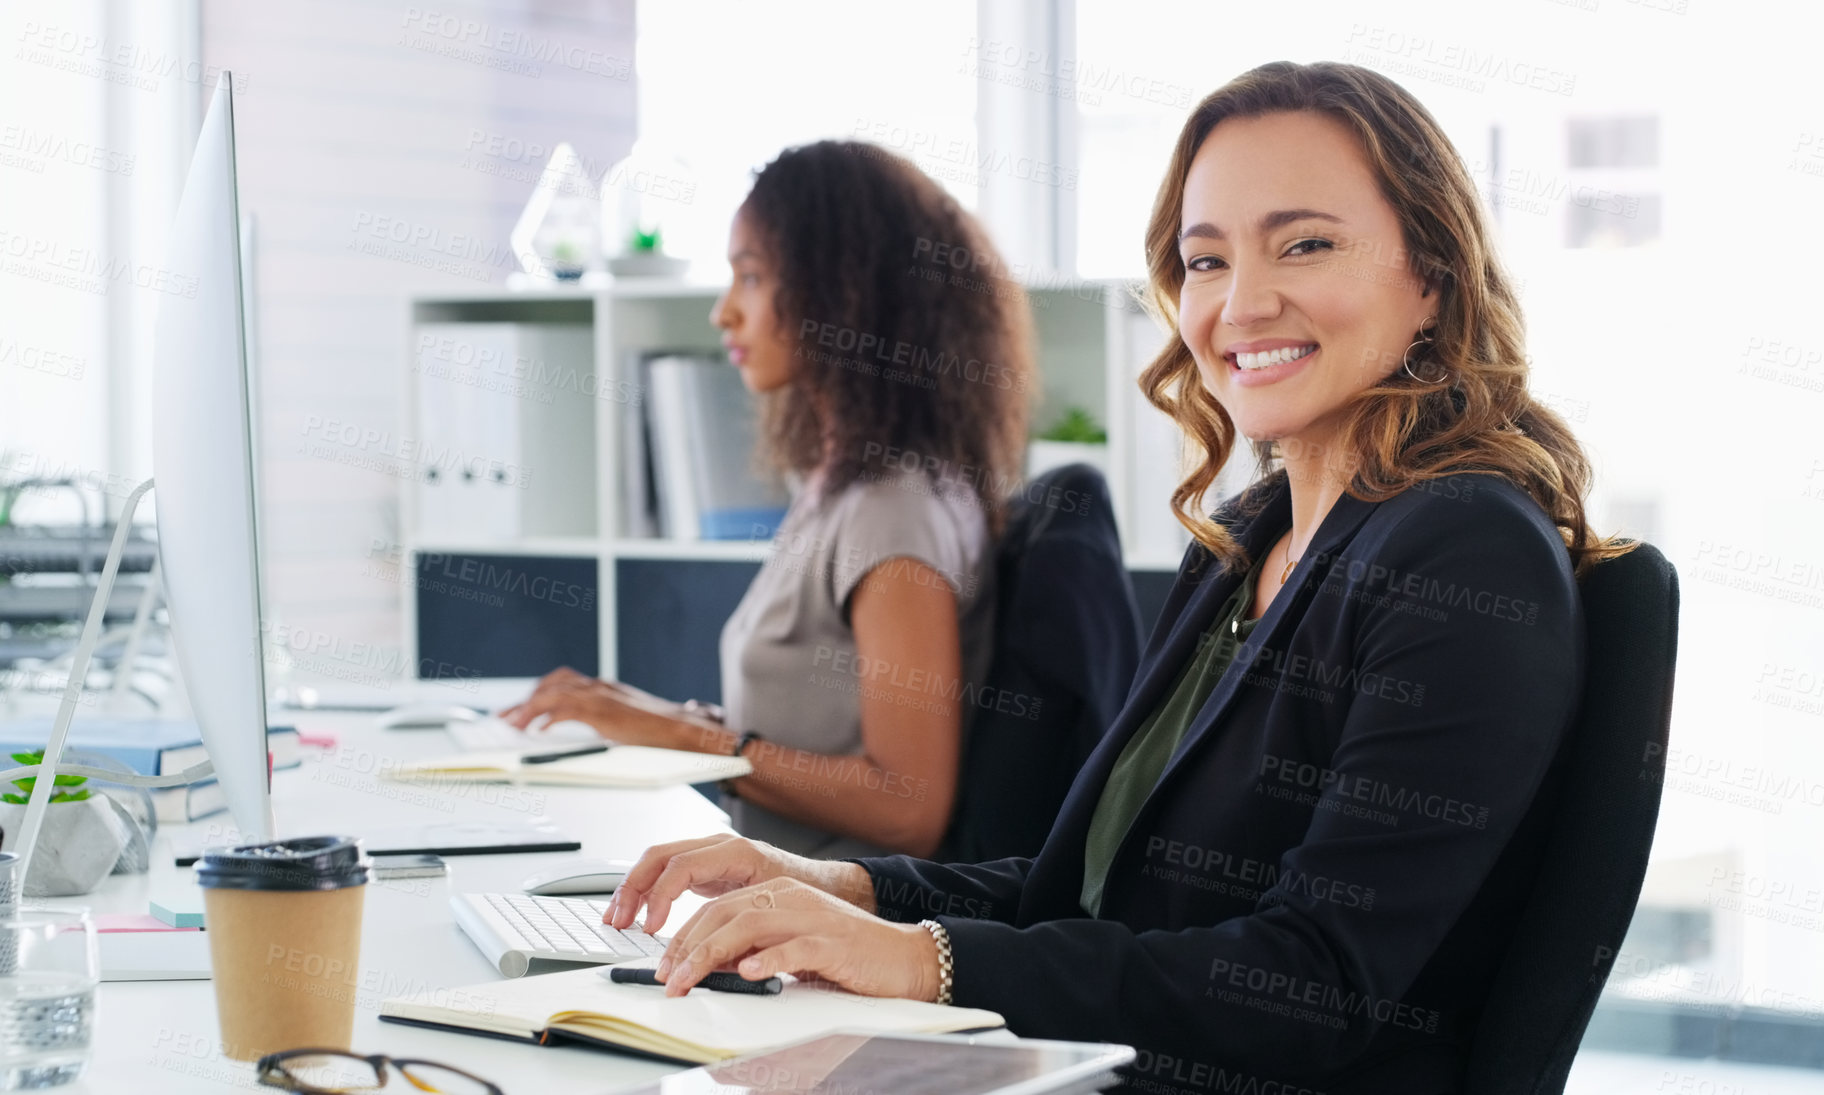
[[700, 1026]]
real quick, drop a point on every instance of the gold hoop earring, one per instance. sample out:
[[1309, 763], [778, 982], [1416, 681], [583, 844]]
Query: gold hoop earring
[[1425, 338]]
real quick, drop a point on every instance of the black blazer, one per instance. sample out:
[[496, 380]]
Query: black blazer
[[1317, 893]]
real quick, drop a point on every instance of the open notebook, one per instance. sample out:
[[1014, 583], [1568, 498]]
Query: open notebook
[[697, 1028], [620, 766]]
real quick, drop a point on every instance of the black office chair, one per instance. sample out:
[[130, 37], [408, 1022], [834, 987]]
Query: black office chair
[[1067, 642], [1596, 855]]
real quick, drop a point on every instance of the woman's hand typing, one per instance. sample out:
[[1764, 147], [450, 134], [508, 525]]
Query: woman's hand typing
[[617, 711], [716, 865], [784, 925]]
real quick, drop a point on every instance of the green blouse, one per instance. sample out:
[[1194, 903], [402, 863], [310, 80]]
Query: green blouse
[[1137, 770]]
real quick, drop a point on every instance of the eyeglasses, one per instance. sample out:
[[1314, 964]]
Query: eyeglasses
[[337, 1072]]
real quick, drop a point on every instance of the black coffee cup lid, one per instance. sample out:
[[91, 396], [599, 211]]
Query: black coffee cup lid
[[304, 863]]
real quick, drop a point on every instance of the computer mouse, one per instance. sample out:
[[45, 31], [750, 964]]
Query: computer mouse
[[427, 716], [579, 876]]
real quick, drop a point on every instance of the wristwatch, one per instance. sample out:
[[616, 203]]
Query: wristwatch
[[741, 743]]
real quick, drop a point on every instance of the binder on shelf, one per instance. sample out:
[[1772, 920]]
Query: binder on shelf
[[639, 498], [505, 441], [701, 421]]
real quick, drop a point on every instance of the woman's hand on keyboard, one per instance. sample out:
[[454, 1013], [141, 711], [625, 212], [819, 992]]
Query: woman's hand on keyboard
[[788, 926], [620, 712], [716, 865]]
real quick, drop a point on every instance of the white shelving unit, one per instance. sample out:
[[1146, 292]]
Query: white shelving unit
[[1091, 340]]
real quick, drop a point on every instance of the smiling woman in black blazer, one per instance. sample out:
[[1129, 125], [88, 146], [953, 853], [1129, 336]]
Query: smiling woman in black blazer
[[1297, 856]]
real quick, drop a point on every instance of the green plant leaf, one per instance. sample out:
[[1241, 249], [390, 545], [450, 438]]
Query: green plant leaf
[[16, 800], [1076, 424], [70, 796], [643, 241], [29, 782]]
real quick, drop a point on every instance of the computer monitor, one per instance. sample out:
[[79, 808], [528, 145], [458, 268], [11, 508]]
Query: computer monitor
[[203, 464]]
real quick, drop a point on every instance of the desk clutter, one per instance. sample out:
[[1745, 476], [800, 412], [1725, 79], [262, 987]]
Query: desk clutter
[[94, 827], [290, 967], [283, 934]]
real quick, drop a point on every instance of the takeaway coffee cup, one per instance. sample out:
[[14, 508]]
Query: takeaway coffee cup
[[284, 926]]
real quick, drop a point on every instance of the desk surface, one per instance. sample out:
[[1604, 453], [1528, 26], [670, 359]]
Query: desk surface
[[161, 1036]]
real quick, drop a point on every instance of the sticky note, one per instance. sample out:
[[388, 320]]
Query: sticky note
[[178, 913]]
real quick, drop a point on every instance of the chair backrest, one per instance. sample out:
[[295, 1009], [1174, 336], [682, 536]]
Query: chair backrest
[[1596, 852], [1067, 642]]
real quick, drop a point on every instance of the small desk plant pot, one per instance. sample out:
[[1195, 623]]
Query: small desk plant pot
[[79, 843]]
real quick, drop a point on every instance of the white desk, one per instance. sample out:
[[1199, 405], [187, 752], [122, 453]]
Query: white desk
[[161, 1036]]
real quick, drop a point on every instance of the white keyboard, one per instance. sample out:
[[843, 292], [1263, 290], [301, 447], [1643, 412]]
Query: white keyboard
[[488, 733], [514, 929]]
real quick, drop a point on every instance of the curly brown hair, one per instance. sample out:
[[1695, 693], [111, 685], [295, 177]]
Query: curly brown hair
[[899, 362], [1401, 431]]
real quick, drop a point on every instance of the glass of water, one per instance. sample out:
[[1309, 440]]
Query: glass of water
[[48, 973]]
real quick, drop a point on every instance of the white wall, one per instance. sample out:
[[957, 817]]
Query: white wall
[[362, 124]]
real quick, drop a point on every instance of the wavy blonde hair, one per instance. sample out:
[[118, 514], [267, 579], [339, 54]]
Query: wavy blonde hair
[[1401, 431]]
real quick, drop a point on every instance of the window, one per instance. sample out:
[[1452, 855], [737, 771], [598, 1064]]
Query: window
[[58, 270], [1613, 167], [724, 86]]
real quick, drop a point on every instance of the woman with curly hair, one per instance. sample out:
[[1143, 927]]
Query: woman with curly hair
[[897, 395], [1298, 855]]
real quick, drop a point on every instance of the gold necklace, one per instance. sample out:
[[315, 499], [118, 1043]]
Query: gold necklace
[[1235, 624]]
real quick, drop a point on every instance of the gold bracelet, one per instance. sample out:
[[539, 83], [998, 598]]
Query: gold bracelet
[[946, 961]]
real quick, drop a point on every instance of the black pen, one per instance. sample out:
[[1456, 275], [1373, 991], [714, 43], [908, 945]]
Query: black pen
[[579, 751], [714, 982]]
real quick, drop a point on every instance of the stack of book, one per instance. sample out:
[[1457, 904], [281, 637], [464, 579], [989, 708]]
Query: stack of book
[[151, 747], [687, 455]]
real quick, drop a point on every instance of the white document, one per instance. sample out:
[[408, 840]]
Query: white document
[[620, 766]]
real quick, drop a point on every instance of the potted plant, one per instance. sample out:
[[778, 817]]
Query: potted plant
[[645, 255], [80, 841], [567, 262], [648, 206], [1075, 438]]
